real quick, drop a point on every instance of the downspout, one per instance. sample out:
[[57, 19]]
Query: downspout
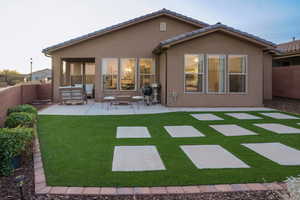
[[166, 77]]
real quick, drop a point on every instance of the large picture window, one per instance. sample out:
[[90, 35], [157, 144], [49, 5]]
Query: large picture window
[[147, 71], [216, 73], [237, 69], [128, 74], [193, 73], [110, 73]]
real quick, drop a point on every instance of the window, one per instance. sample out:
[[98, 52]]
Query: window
[[110, 73], [163, 26], [193, 73], [237, 69], [215, 73], [128, 74], [147, 71]]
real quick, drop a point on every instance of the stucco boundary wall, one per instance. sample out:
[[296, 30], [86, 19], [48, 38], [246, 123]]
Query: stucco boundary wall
[[286, 81], [21, 94]]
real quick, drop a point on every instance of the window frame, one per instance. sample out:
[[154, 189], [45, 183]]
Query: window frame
[[234, 73], [203, 73], [118, 73], [135, 76], [139, 70], [225, 75]]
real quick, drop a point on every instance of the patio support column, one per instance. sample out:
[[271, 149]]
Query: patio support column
[[98, 88], [56, 66], [68, 77]]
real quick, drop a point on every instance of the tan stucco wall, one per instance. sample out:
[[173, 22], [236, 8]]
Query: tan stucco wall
[[215, 43], [267, 61], [135, 41]]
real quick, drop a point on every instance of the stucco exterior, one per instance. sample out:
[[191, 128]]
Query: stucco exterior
[[215, 43], [141, 39], [137, 41]]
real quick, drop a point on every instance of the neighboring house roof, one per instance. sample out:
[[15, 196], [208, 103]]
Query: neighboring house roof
[[125, 24], [289, 47], [42, 71], [212, 28]]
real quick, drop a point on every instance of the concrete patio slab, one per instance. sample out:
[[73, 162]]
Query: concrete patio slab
[[279, 116], [132, 132], [243, 116], [183, 131], [137, 158], [232, 130], [279, 128], [206, 117], [212, 157], [277, 152], [98, 108]]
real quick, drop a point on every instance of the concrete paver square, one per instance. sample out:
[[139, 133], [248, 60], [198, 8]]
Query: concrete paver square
[[278, 128], [212, 157], [183, 131], [133, 132], [136, 158], [279, 116], [206, 117], [232, 130], [277, 152], [243, 116]]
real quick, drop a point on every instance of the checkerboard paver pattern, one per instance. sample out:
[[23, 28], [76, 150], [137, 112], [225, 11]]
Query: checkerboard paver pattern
[[42, 188]]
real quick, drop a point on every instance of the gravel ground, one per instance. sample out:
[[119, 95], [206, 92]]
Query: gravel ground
[[284, 104]]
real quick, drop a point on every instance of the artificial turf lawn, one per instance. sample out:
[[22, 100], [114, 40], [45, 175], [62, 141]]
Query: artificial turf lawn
[[78, 150]]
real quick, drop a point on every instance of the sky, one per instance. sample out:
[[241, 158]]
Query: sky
[[27, 27]]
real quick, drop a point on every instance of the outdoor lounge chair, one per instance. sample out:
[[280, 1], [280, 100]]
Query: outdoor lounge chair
[[72, 95]]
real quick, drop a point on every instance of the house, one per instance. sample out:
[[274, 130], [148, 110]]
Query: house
[[196, 64], [286, 70], [40, 75]]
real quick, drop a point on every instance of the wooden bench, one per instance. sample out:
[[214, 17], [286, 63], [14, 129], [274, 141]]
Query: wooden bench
[[71, 95]]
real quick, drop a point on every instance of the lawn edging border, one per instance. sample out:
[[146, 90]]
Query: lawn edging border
[[41, 186]]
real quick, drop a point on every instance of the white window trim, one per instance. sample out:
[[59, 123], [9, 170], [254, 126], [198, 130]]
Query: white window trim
[[202, 73], [206, 72], [135, 77], [139, 70], [118, 72], [245, 73]]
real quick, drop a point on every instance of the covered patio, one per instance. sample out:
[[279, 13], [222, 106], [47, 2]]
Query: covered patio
[[101, 108]]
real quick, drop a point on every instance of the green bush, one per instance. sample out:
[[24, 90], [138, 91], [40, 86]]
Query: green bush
[[12, 143], [22, 108], [20, 119]]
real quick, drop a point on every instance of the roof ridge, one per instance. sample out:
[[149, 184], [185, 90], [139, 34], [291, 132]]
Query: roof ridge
[[211, 27], [110, 28]]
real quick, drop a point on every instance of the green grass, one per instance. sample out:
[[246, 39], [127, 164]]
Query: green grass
[[78, 150]]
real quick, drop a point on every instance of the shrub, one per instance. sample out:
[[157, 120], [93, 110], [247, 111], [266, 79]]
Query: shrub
[[12, 143], [20, 119], [23, 108]]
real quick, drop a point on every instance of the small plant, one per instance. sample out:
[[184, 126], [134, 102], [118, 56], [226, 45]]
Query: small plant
[[22, 108], [12, 143], [293, 189], [20, 119]]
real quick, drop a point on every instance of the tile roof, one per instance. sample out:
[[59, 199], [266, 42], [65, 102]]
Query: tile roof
[[120, 25], [212, 27], [289, 47]]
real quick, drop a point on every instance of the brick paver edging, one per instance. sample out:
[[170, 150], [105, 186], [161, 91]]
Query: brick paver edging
[[42, 188]]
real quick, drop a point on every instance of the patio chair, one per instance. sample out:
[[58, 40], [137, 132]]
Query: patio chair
[[72, 95], [138, 98], [109, 100]]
